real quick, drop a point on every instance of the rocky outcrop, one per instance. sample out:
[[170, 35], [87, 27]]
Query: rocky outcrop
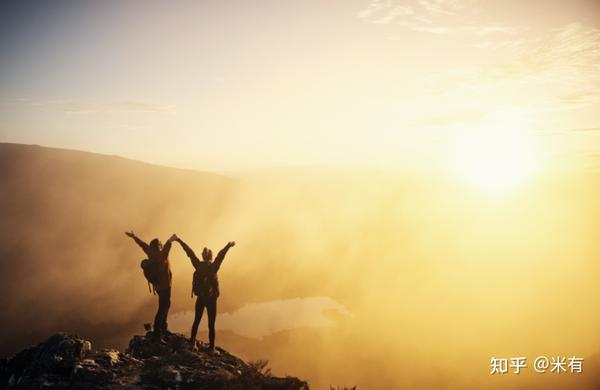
[[67, 361]]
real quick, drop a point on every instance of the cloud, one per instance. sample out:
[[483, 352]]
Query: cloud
[[581, 131], [374, 8], [510, 44], [388, 11], [257, 320], [431, 16], [569, 59], [487, 30], [537, 79], [444, 7], [557, 70], [431, 30], [80, 107], [394, 14], [586, 130], [580, 96], [451, 118], [142, 106]]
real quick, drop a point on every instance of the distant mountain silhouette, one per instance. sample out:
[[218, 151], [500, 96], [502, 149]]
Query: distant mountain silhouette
[[64, 261]]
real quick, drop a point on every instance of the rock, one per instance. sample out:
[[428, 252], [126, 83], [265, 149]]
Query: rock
[[68, 362]]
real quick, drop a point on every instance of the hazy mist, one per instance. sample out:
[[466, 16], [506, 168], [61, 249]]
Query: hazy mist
[[423, 280]]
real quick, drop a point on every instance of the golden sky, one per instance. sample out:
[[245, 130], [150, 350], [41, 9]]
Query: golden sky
[[417, 85]]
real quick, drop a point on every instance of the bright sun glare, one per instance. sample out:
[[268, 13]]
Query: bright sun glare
[[497, 159]]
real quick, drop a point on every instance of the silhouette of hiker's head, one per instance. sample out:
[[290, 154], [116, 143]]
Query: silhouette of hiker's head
[[155, 245], [206, 254]]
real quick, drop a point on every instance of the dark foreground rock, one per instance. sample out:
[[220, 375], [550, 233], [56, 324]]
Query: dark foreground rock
[[68, 362]]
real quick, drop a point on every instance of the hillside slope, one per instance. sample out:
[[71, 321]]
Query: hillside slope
[[66, 361], [65, 262]]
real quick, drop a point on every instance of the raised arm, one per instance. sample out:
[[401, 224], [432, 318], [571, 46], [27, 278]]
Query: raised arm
[[221, 255], [137, 240], [167, 247], [188, 251]]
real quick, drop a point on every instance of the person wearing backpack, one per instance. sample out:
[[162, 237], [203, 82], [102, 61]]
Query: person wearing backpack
[[205, 286], [157, 271]]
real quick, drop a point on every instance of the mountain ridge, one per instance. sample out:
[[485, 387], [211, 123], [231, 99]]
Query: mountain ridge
[[14, 146]]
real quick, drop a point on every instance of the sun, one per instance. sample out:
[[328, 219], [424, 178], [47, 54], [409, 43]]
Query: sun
[[497, 159]]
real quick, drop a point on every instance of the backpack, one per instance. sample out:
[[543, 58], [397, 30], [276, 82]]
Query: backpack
[[151, 272], [203, 282]]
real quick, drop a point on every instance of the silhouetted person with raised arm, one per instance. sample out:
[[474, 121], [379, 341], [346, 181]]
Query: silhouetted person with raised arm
[[157, 270], [206, 287]]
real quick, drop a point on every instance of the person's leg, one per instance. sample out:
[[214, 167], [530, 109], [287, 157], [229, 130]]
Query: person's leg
[[211, 309], [197, 318], [158, 317], [167, 305], [163, 303]]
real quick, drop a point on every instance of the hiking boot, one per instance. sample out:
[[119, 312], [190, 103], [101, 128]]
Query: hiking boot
[[157, 338]]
